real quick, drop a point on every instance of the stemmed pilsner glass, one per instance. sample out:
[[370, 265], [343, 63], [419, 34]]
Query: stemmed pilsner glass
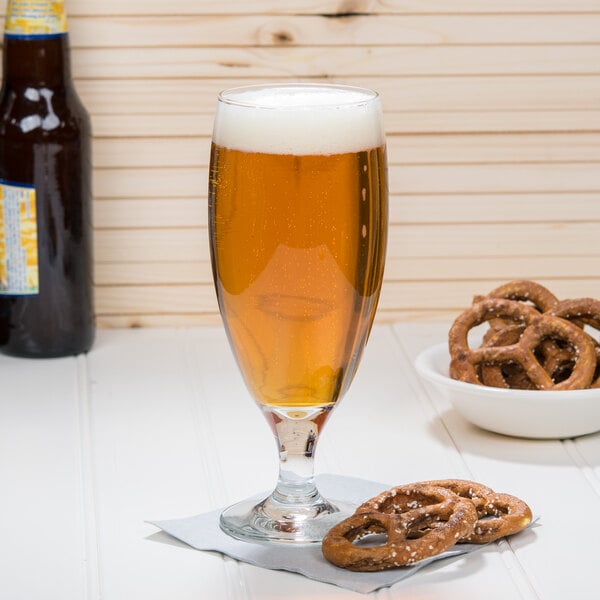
[[298, 228]]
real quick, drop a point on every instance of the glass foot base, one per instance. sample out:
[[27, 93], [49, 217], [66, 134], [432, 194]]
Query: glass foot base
[[272, 521]]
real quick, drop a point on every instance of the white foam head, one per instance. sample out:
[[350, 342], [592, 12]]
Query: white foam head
[[298, 119]]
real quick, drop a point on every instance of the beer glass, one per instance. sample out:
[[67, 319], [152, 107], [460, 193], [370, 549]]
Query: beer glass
[[298, 228]]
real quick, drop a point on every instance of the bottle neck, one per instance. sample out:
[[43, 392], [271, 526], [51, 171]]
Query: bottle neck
[[39, 61]]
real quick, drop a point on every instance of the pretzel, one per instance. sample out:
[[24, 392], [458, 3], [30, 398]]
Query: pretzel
[[585, 311], [477, 493], [401, 513], [509, 513], [523, 291], [508, 375], [465, 360], [558, 361], [499, 515], [526, 291]]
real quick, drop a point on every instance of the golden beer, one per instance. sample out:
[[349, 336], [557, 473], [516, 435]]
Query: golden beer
[[298, 237]]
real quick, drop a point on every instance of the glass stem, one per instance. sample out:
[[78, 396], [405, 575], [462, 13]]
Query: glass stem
[[296, 440], [295, 510]]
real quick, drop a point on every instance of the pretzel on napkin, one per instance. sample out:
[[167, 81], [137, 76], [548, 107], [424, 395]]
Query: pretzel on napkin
[[498, 515], [422, 520], [408, 510]]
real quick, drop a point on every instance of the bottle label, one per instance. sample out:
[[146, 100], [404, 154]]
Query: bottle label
[[19, 274], [34, 18]]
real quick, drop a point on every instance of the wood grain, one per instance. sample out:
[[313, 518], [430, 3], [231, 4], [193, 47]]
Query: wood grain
[[492, 117]]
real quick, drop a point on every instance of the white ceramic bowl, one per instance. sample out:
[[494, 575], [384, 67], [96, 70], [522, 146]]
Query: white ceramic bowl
[[522, 413]]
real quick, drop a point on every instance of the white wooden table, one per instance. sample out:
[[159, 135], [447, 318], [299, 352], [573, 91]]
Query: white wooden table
[[157, 424]]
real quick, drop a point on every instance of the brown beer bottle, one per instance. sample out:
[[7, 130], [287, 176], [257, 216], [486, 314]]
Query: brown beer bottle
[[46, 278]]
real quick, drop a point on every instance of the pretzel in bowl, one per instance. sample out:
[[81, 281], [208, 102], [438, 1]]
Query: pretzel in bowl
[[526, 291], [558, 360], [521, 290], [465, 361], [559, 351], [582, 311], [418, 521], [508, 375]]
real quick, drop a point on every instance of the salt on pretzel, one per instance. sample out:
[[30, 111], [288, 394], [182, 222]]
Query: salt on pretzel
[[557, 359], [526, 291], [508, 375], [401, 514], [586, 310], [499, 515], [521, 290], [540, 329], [476, 492], [465, 360]]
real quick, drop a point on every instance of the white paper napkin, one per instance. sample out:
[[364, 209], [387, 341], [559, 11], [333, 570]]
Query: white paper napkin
[[202, 532]]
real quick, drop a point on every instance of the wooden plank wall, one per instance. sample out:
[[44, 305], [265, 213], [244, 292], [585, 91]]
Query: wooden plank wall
[[492, 113]]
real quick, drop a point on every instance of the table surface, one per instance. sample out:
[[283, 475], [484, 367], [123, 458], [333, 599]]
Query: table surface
[[157, 424]]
